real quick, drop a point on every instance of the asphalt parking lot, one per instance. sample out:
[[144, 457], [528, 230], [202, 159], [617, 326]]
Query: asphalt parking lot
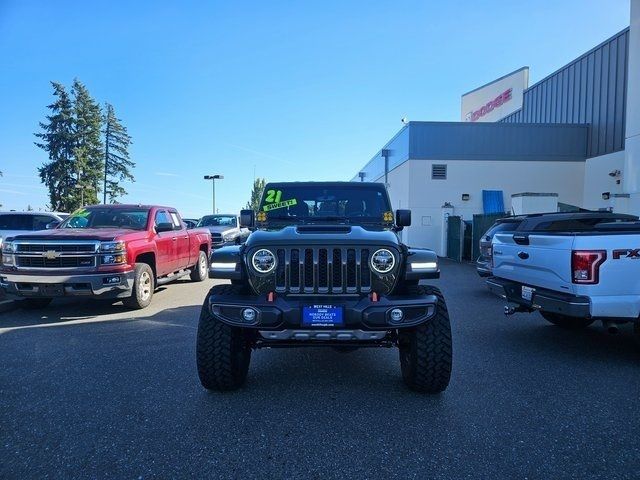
[[88, 390]]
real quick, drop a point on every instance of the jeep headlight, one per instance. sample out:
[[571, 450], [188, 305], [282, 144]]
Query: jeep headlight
[[383, 261], [112, 247], [263, 261]]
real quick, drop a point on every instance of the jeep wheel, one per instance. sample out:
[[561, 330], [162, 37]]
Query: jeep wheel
[[35, 303], [564, 321], [143, 287], [425, 350], [199, 270], [223, 352]]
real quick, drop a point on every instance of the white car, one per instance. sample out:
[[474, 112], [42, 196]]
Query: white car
[[15, 223], [574, 268]]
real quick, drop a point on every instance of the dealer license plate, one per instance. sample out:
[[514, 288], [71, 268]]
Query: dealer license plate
[[527, 293], [322, 316]]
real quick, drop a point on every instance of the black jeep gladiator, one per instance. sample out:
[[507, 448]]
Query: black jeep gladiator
[[324, 266]]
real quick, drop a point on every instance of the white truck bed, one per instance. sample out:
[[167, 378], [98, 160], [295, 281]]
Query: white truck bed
[[584, 274]]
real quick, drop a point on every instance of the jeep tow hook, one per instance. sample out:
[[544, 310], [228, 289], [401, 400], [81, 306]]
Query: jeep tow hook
[[374, 297], [270, 297]]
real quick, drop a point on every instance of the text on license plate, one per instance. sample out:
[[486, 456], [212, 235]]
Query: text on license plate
[[527, 293], [322, 316]]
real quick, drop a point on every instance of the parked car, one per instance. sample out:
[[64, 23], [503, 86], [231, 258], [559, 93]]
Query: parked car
[[104, 251], [483, 263], [324, 267], [191, 222], [225, 229], [14, 223], [573, 268]]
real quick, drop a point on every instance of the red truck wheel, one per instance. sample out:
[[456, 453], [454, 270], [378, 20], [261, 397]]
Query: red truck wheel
[[143, 287], [199, 270]]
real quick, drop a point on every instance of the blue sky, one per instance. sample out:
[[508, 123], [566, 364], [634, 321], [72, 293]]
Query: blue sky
[[294, 90]]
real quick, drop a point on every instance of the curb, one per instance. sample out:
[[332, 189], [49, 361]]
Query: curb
[[7, 305]]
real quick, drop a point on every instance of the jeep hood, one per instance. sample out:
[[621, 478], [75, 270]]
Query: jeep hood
[[323, 235]]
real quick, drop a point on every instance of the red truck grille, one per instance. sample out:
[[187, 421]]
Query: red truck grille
[[59, 254], [60, 262]]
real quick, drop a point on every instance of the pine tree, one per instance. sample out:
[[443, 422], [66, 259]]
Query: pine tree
[[256, 194], [58, 141], [87, 150], [117, 165]]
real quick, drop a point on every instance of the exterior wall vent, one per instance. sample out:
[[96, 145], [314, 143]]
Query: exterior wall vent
[[438, 172]]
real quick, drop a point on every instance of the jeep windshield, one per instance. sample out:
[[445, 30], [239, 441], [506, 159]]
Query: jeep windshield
[[129, 218], [311, 202]]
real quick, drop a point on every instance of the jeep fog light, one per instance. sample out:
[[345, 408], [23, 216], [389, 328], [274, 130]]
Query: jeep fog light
[[249, 315], [383, 261], [396, 315]]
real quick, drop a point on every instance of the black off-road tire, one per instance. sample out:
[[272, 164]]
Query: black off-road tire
[[223, 352], [426, 350], [200, 270], [34, 303], [143, 287], [564, 321]]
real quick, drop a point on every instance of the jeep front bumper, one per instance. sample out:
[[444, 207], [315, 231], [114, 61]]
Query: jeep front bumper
[[359, 313]]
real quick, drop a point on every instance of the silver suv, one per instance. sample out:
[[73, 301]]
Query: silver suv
[[15, 223]]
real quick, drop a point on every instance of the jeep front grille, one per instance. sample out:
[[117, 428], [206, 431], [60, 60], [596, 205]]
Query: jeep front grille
[[323, 270]]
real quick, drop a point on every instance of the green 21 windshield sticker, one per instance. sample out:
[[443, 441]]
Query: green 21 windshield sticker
[[273, 196], [274, 206]]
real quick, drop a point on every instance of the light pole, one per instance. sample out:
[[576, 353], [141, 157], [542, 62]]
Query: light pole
[[213, 179]]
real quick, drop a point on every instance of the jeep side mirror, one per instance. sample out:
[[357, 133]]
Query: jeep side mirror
[[247, 218], [164, 227], [403, 218], [52, 225]]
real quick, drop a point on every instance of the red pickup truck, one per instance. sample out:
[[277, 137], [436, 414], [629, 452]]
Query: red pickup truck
[[104, 251]]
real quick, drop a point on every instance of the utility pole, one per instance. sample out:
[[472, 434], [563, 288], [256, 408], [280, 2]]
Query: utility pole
[[385, 153], [106, 157]]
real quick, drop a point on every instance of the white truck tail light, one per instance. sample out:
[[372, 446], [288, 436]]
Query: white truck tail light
[[585, 265], [490, 255]]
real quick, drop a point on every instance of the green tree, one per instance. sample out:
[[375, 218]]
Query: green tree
[[256, 194], [117, 165], [57, 139], [87, 150], [71, 136]]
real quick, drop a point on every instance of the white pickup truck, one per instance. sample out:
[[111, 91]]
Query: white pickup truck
[[574, 268]]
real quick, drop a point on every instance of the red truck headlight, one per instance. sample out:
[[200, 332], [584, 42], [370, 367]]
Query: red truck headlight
[[114, 253], [112, 247], [585, 266]]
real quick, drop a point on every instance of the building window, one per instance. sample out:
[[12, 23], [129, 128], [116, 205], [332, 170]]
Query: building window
[[438, 172]]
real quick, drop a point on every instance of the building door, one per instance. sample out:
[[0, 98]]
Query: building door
[[454, 238]]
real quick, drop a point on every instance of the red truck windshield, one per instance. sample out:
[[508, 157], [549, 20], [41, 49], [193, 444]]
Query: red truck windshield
[[106, 217]]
